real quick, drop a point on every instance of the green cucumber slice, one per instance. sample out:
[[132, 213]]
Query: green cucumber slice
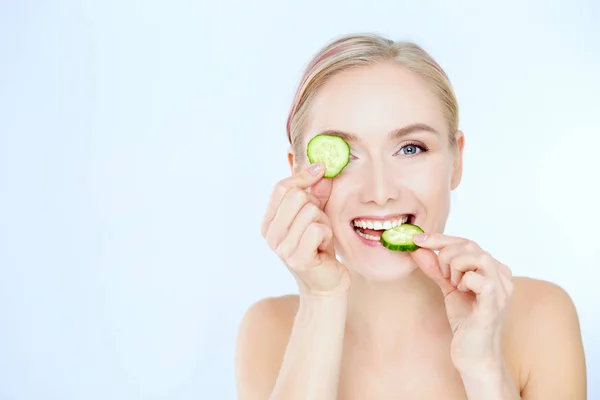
[[400, 237], [332, 151]]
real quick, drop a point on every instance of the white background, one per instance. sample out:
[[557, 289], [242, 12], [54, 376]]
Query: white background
[[140, 140]]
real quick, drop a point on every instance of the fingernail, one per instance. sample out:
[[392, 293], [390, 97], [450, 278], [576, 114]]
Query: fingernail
[[315, 168], [420, 238]]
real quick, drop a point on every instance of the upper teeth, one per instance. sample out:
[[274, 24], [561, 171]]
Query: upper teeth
[[380, 225]]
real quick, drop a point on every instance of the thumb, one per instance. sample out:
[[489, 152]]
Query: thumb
[[428, 262], [322, 190]]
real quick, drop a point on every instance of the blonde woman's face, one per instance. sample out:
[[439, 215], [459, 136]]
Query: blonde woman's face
[[402, 163]]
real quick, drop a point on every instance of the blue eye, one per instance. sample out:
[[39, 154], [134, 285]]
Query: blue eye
[[411, 149]]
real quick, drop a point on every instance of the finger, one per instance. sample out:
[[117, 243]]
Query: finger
[[302, 180], [427, 261], [436, 241], [485, 292], [446, 255], [455, 276], [327, 243], [445, 267], [308, 214], [322, 190], [285, 215], [305, 254], [471, 281], [489, 298], [481, 262]]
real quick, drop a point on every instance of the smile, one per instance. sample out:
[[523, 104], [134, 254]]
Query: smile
[[371, 228]]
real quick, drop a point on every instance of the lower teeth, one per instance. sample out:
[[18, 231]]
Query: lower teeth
[[367, 236]]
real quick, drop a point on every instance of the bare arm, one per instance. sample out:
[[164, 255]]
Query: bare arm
[[283, 359], [556, 360], [549, 349], [307, 366], [490, 383]]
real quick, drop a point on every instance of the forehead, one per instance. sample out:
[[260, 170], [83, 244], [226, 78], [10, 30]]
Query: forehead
[[375, 100]]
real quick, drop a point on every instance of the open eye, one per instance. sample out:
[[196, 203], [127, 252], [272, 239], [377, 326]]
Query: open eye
[[411, 149]]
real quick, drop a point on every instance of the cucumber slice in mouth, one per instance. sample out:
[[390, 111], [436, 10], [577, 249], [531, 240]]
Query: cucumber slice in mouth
[[332, 151], [400, 237]]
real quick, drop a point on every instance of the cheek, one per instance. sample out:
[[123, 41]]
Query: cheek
[[335, 204], [343, 194], [429, 180]]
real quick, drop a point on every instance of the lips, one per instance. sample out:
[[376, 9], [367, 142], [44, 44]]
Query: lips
[[371, 227]]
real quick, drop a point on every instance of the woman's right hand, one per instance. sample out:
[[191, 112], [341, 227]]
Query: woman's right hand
[[298, 230]]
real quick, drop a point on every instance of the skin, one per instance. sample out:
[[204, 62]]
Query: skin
[[379, 324]]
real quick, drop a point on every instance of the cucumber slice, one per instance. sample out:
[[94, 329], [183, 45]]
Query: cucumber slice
[[400, 237], [332, 151]]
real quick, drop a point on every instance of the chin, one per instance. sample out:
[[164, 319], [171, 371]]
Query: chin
[[376, 263]]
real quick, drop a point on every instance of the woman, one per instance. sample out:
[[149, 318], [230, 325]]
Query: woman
[[447, 321]]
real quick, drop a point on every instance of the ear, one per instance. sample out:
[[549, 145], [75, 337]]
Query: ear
[[291, 157], [458, 159]]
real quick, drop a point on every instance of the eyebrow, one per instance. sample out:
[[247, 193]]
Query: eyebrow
[[394, 134]]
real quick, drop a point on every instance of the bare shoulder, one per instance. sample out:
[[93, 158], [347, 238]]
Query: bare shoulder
[[536, 298], [261, 342], [544, 331]]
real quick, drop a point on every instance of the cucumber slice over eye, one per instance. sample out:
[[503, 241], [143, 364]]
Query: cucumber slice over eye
[[400, 237], [332, 151]]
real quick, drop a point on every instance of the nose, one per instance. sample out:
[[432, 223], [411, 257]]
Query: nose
[[379, 184]]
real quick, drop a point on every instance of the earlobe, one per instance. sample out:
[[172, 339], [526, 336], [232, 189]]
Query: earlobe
[[291, 157], [458, 159]]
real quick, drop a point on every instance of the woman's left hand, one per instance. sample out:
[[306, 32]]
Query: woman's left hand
[[477, 289]]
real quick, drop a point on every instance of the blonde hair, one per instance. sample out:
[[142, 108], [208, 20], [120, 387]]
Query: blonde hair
[[356, 50]]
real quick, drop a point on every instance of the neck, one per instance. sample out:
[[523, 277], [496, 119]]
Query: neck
[[384, 314]]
